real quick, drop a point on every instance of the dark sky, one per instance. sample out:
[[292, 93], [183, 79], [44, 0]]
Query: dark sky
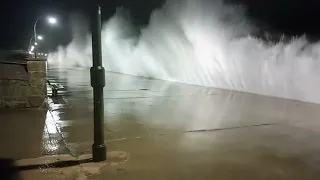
[[290, 16], [17, 17]]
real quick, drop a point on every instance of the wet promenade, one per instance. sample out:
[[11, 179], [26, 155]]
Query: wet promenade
[[171, 130]]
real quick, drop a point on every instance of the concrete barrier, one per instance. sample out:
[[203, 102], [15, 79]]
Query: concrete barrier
[[23, 83]]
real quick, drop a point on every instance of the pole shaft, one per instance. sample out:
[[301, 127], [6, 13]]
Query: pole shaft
[[96, 38], [35, 37], [97, 82], [98, 116], [35, 42], [29, 47]]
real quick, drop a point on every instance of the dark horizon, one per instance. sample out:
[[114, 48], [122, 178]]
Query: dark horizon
[[293, 17]]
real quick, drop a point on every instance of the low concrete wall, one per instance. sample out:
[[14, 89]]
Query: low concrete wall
[[23, 83]]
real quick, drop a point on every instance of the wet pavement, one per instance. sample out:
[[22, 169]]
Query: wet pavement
[[171, 130]]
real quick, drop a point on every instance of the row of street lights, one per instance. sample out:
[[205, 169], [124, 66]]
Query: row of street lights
[[97, 75], [32, 48]]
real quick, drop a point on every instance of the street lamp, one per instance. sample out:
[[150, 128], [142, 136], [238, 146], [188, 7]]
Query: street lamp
[[31, 47], [51, 20]]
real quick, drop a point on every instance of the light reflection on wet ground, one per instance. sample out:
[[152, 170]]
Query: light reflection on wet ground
[[183, 127], [140, 107]]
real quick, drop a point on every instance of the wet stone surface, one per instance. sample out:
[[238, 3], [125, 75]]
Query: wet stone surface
[[171, 131]]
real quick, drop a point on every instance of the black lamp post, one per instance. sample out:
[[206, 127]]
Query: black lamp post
[[97, 73]]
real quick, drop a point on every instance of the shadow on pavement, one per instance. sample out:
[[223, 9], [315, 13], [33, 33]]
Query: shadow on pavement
[[9, 171], [59, 164]]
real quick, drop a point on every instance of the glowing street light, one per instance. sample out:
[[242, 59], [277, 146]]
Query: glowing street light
[[51, 20], [31, 50], [32, 47]]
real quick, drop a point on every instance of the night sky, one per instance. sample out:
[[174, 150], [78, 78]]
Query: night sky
[[290, 16]]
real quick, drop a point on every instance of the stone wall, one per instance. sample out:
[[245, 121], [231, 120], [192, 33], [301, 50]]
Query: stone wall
[[23, 84]]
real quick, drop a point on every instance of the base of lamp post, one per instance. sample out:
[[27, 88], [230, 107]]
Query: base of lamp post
[[99, 152]]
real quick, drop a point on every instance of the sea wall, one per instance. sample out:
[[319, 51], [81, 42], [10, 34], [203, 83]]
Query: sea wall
[[23, 83]]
